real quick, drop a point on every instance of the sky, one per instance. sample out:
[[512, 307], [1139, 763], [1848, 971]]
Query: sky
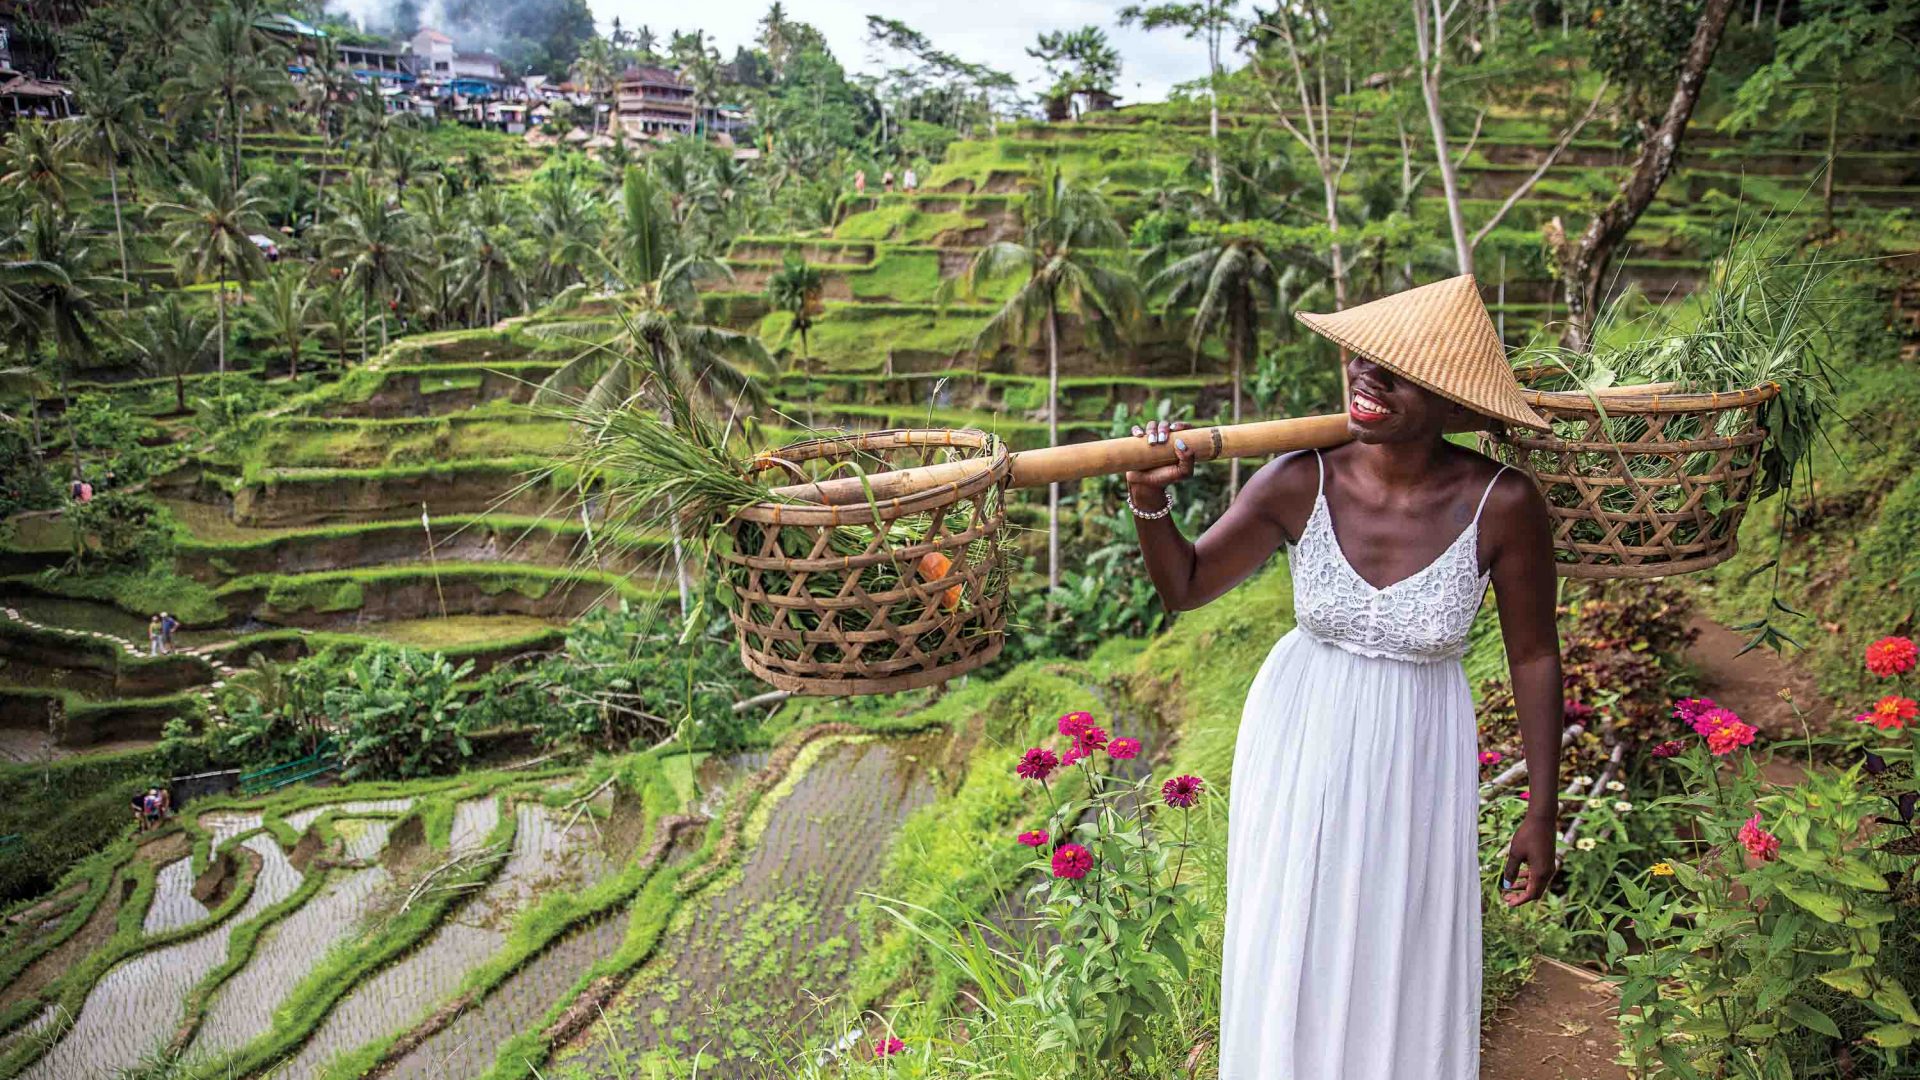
[[1149, 63]]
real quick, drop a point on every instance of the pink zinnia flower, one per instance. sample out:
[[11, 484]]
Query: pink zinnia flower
[[1714, 719], [1124, 749], [1688, 710], [1091, 738], [1037, 763], [1072, 724], [1033, 838], [1726, 739], [1072, 756], [1578, 712], [1182, 792], [1526, 795], [1892, 656], [1759, 843], [888, 1047], [1890, 713], [1491, 757], [1670, 748], [1071, 861]]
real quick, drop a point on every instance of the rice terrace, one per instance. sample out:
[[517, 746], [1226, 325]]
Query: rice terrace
[[538, 542]]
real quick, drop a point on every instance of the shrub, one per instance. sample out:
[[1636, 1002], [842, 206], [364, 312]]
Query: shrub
[[401, 714]]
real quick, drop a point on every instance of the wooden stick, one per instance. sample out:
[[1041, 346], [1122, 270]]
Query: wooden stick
[[1077, 461]]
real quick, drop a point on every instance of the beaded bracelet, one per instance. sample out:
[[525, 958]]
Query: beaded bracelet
[[1157, 514]]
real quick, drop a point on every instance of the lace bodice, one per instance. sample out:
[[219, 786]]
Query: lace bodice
[[1421, 618]]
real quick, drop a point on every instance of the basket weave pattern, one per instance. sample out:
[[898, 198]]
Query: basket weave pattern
[[1642, 486], [874, 597]]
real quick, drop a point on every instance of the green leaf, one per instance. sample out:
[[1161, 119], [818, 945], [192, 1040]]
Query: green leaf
[[1892, 997], [1825, 907], [1811, 1018], [1848, 980], [1891, 1036], [1169, 947]]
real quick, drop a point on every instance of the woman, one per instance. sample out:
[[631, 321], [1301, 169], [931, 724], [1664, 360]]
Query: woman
[[1353, 902]]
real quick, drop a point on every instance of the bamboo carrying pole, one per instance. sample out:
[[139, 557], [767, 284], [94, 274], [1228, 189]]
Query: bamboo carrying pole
[[1077, 461]]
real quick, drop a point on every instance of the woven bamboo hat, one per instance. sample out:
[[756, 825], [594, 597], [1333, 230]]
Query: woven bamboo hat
[[1439, 337]]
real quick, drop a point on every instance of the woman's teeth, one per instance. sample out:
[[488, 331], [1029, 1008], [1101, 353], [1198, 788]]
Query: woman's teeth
[[1369, 408]]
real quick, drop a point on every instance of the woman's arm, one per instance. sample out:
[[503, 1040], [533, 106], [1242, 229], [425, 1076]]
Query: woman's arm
[[1525, 587], [1188, 574]]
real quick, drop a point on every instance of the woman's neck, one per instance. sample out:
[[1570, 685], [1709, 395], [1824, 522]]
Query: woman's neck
[[1402, 465]]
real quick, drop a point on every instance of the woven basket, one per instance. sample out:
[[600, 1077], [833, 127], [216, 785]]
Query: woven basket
[[1655, 485], [872, 598]]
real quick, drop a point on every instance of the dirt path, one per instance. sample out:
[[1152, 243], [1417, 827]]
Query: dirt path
[[1750, 685], [1560, 1026]]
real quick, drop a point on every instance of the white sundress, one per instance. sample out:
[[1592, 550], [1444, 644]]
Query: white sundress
[[1353, 897]]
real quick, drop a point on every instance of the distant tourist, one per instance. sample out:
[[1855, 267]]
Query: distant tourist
[[81, 491], [153, 636], [168, 624], [910, 181], [886, 181], [860, 181], [140, 811]]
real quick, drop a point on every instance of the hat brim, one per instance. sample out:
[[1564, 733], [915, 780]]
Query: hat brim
[[1520, 413]]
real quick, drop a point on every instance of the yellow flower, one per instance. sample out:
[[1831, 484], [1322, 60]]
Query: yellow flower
[[1661, 869]]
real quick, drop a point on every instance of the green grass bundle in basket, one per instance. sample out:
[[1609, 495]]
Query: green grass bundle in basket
[[1667, 429]]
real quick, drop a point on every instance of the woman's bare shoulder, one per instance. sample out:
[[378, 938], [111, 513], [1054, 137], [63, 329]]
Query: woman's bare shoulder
[[1284, 489]]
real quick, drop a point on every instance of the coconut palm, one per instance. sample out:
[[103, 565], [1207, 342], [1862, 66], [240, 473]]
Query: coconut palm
[[286, 310], [233, 69], [338, 318], [657, 327], [566, 218], [329, 89], [174, 340], [483, 272], [593, 69], [63, 290], [439, 229], [1066, 231], [41, 163], [372, 241], [113, 121], [795, 289], [209, 227], [1223, 277]]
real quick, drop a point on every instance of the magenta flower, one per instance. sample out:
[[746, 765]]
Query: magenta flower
[[1578, 712], [1526, 795], [1182, 792], [1670, 748], [1688, 710], [1073, 756], [888, 1047], [1072, 724], [1124, 749], [1033, 838], [1759, 843], [1714, 719], [1491, 757], [1091, 738], [1037, 763], [1071, 861]]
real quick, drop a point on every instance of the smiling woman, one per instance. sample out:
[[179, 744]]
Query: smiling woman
[[1351, 866]]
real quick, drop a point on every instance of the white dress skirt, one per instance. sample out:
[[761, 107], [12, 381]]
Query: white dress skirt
[[1353, 900]]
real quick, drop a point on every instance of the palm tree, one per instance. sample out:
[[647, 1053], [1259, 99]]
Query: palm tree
[[440, 230], [372, 241], [115, 120], [1065, 228], [338, 319], [406, 161], [63, 294], [284, 307], [658, 338], [1225, 275], [566, 217], [795, 289], [233, 69], [329, 89], [593, 69], [210, 229], [41, 163], [174, 340], [484, 272]]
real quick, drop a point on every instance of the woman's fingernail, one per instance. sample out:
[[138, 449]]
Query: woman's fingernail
[[1181, 443]]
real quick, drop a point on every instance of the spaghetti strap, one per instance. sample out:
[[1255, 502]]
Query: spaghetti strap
[[1322, 464], [1485, 495]]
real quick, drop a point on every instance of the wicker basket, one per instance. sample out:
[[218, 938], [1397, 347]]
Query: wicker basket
[[1642, 485], [875, 597]]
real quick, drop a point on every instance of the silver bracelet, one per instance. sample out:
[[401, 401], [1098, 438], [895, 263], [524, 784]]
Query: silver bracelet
[[1157, 514]]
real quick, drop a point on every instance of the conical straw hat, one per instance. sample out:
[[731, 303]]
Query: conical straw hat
[[1437, 336]]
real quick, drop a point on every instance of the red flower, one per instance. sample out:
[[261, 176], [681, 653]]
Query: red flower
[[1072, 756], [1727, 738], [1035, 838], [1182, 792], [1759, 843], [1037, 764], [1891, 656], [1491, 757], [1072, 724], [1670, 748], [1890, 713], [888, 1047], [1578, 712], [1124, 749], [1712, 720], [1071, 861], [1091, 738]]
